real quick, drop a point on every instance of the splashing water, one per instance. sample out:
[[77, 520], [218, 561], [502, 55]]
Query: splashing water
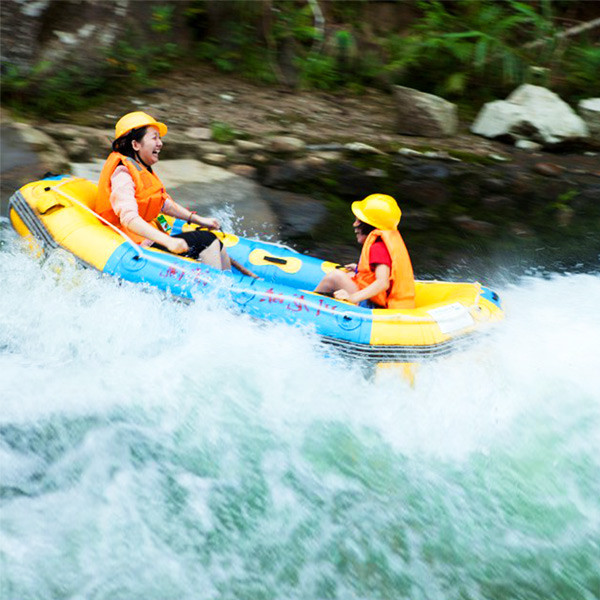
[[150, 449]]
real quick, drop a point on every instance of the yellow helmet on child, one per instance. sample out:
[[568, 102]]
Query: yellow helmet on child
[[379, 210], [136, 119]]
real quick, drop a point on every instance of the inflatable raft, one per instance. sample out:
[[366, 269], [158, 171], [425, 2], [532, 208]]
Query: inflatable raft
[[55, 213]]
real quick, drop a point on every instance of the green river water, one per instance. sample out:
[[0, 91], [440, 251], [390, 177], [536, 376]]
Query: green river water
[[151, 450]]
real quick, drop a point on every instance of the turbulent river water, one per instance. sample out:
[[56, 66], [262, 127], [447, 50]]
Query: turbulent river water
[[153, 450]]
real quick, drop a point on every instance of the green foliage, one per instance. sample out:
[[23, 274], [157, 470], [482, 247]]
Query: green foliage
[[318, 71], [581, 71], [44, 92], [458, 48], [478, 43], [467, 50], [250, 43], [223, 133], [136, 60], [162, 19]]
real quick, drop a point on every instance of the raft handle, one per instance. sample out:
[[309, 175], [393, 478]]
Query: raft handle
[[275, 260], [47, 204]]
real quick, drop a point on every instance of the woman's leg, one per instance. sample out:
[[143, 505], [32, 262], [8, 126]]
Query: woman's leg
[[211, 255], [336, 280], [204, 246], [225, 260]]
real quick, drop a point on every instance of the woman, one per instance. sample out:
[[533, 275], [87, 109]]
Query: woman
[[384, 274], [131, 196]]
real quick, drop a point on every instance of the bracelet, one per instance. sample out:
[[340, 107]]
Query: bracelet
[[192, 213]]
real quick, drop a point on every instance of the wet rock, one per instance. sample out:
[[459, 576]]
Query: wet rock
[[37, 140], [238, 195], [469, 188], [498, 203], [246, 146], [247, 171], [285, 145], [528, 145], [548, 169], [352, 182], [410, 153], [260, 158], [499, 157], [219, 160], [533, 113], [202, 134], [329, 156], [26, 156], [211, 148], [377, 173], [296, 213], [177, 172], [564, 216], [471, 225], [589, 109], [178, 146], [360, 148], [430, 171], [441, 155], [521, 230], [418, 113], [78, 150], [417, 220], [423, 193], [493, 184], [332, 147], [314, 162]]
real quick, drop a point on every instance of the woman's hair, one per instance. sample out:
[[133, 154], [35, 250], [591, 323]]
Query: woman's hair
[[124, 144], [365, 228]]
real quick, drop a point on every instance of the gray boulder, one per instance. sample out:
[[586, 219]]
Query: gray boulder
[[418, 113], [531, 113], [589, 109]]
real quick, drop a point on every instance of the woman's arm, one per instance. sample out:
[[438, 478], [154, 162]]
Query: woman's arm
[[174, 209], [124, 204], [141, 227], [381, 283]]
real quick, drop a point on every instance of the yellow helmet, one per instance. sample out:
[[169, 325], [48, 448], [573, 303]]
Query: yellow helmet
[[133, 120], [379, 210]]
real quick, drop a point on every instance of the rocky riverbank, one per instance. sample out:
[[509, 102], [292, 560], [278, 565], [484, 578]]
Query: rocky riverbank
[[463, 196]]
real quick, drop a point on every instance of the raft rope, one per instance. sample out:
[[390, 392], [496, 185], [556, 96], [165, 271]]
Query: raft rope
[[137, 248], [139, 253]]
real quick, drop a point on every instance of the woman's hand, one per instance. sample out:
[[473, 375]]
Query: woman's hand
[[210, 222], [350, 267], [176, 245]]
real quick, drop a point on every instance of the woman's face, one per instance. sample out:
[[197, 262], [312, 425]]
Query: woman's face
[[148, 148]]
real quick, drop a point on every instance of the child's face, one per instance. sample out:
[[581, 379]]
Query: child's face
[[360, 236]]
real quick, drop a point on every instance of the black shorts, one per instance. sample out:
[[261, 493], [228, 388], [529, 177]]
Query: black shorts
[[197, 240]]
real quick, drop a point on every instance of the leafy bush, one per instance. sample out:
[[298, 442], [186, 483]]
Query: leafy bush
[[42, 91], [486, 48], [223, 133]]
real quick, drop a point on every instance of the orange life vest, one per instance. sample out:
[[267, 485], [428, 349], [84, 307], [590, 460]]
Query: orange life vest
[[149, 191], [401, 292]]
